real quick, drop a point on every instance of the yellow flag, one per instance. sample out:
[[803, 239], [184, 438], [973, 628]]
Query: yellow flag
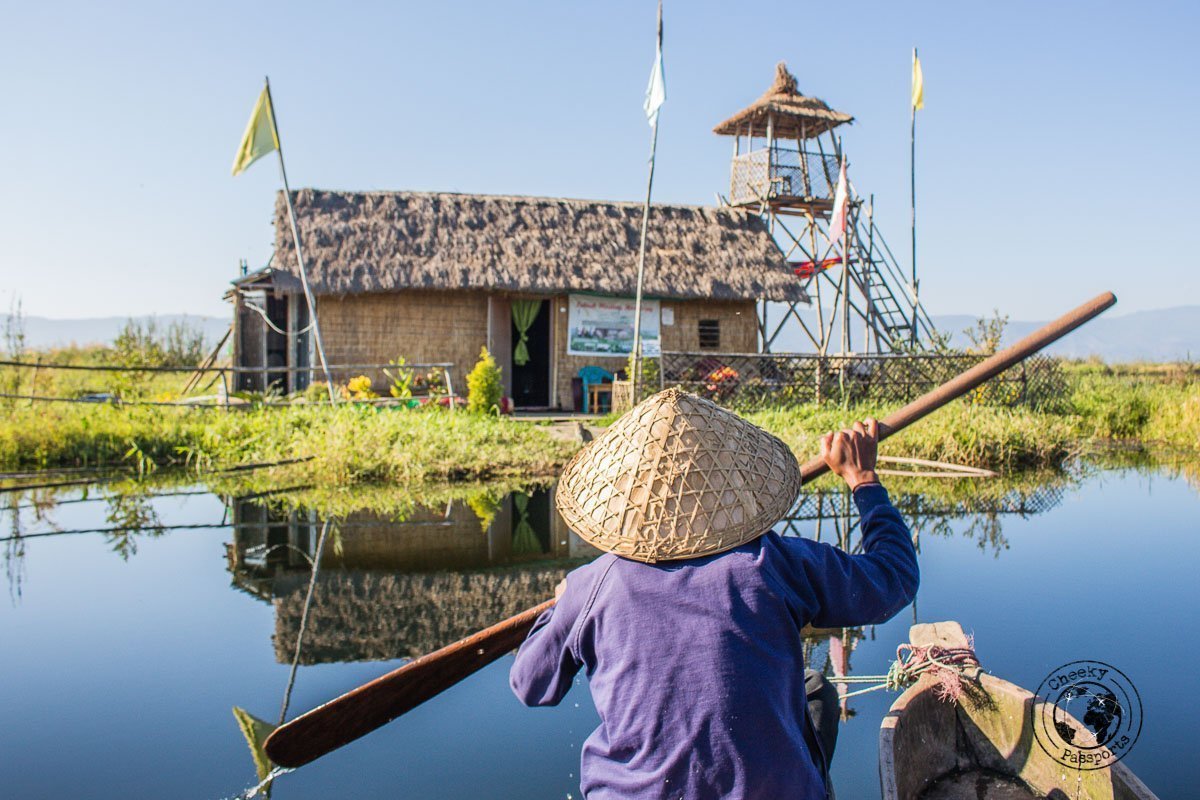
[[259, 138], [918, 84]]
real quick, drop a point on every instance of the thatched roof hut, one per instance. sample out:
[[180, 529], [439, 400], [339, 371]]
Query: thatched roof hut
[[547, 285], [358, 242], [795, 116]]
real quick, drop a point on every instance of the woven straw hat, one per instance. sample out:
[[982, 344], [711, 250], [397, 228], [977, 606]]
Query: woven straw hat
[[677, 477]]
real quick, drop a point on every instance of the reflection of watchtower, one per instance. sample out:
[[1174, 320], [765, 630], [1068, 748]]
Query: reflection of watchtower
[[785, 166]]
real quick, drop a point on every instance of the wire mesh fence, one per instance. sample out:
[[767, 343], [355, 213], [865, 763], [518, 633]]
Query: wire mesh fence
[[781, 172], [757, 380]]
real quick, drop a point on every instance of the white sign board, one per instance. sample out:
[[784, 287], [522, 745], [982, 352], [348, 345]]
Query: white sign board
[[603, 326]]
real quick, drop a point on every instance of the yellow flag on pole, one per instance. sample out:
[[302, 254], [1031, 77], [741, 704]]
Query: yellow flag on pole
[[260, 137], [918, 83]]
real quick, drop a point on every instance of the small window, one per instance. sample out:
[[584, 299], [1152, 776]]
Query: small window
[[710, 334]]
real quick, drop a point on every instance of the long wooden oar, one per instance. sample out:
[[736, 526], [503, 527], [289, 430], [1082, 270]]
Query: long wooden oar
[[358, 712]]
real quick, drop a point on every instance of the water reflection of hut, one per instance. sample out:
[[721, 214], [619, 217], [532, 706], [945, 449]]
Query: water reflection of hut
[[367, 616], [401, 587], [391, 587]]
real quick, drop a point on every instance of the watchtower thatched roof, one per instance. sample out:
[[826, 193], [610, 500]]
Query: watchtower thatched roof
[[796, 116], [384, 241]]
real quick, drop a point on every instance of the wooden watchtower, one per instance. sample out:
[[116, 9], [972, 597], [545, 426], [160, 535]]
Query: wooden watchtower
[[786, 158]]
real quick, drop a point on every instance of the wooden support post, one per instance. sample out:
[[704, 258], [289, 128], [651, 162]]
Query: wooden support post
[[812, 233], [869, 268]]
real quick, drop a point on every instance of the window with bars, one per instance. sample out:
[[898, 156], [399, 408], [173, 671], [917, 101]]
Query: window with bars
[[710, 334]]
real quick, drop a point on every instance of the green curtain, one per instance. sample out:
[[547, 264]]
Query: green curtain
[[525, 541], [524, 312]]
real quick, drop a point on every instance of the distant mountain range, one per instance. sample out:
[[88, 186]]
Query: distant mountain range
[[1168, 334]]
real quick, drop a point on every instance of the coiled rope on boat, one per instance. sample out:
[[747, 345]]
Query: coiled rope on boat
[[947, 665]]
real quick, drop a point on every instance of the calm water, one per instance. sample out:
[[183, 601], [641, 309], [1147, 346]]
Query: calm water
[[122, 656]]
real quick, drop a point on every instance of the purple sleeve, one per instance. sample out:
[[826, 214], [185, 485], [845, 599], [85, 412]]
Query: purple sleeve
[[547, 661], [847, 590]]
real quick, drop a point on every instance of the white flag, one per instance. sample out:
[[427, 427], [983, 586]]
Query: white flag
[[656, 90], [841, 202]]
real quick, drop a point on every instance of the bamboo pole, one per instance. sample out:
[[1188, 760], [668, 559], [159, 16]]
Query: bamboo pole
[[912, 181], [641, 273], [634, 379], [312, 305]]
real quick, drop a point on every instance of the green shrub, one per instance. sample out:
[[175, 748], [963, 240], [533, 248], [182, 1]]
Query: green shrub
[[142, 344], [401, 377], [484, 387], [650, 378]]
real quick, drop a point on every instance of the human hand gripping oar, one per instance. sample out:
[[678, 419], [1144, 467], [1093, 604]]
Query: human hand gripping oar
[[362, 710]]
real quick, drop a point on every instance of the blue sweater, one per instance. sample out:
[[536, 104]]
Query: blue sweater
[[696, 666]]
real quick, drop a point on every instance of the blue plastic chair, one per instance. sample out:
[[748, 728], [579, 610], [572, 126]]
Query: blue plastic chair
[[590, 375]]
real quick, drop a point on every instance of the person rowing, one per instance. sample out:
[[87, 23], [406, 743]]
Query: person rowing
[[689, 626]]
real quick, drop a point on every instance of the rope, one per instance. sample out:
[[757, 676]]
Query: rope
[[262, 313], [946, 664], [98, 368], [116, 401]]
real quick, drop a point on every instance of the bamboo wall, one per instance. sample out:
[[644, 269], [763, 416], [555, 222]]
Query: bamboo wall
[[423, 326], [436, 326]]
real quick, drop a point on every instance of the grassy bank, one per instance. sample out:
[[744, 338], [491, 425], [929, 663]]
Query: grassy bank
[[1146, 407], [343, 445], [979, 436], [354, 445]]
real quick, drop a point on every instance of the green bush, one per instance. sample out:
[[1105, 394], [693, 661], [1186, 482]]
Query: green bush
[[484, 387], [142, 344], [650, 378]]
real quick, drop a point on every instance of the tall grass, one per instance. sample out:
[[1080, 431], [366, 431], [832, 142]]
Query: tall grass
[[973, 435], [345, 444], [351, 444], [1152, 407]]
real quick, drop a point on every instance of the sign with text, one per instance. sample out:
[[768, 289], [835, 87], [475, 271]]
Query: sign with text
[[604, 326]]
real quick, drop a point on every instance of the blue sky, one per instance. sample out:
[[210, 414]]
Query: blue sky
[[1056, 152]]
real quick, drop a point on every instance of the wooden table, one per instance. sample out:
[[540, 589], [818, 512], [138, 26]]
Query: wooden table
[[595, 392]]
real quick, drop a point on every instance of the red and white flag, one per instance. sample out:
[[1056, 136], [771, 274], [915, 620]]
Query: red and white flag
[[841, 203]]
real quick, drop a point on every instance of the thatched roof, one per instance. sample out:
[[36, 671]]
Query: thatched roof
[[384, 241], [796, 116], [378, 616]]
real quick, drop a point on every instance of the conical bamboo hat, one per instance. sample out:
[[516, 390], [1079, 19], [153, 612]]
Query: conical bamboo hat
[[677, 477]]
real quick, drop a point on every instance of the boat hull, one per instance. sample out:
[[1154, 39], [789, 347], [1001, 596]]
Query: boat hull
[[982, 747]]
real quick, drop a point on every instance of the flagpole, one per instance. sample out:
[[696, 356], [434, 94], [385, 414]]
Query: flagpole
[[641, 273], [287, 196], [912, 182], [635, 378]]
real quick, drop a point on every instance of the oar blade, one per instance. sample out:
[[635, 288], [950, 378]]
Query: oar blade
[[373, 705]]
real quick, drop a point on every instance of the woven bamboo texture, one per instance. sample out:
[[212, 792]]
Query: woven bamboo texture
[[677, 477]]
